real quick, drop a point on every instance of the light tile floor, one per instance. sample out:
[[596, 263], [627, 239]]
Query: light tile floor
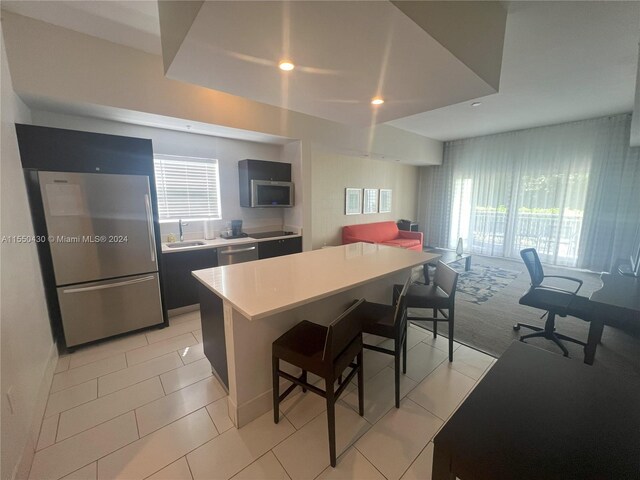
[[147, 406]]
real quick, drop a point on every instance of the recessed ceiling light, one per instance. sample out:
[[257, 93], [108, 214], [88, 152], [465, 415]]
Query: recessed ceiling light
[[476, 104], [286, 65], [377, 101]]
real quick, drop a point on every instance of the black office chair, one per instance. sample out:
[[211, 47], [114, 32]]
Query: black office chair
[[555, 301], [326, 352]]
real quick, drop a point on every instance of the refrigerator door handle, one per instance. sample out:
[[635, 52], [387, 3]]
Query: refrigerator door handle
[[152, 240], [109, 285]]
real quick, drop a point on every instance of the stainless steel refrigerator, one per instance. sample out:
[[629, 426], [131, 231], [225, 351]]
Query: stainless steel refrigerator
[[101, 236]]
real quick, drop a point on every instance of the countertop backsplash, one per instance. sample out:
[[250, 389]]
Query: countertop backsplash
[[194, 230]]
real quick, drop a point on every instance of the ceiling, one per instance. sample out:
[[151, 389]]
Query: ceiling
[[133, 23], [346, 53], [562, 61]]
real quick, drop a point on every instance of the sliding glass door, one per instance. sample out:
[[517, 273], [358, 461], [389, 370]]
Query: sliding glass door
[[572, 191], [504, 208]]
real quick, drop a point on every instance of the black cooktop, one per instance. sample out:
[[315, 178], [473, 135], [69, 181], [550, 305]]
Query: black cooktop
[[231, 236], [270, 234]]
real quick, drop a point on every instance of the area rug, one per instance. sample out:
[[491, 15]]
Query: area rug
[[482, 282]]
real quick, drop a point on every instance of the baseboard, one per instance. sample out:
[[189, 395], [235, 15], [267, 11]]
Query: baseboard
[[179, 311], [24, 464], [258, 406], [253, 409], [233, 411]]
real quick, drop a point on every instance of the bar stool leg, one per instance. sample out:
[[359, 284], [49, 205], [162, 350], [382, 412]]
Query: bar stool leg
[[404, 350], [275, 365], [360, 385], [304, 379], [396, 365], [435, 323], [451, 334], [331, 418]]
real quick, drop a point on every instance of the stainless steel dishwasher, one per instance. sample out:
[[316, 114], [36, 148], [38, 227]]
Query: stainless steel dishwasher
[[237, 253]]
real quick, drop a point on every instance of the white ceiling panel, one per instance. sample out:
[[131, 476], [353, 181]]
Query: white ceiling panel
[[562, 61], [345, 54]]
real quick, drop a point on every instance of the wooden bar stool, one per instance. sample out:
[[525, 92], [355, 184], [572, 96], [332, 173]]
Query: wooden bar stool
[[326, 352], [390, 322], [440, 295]]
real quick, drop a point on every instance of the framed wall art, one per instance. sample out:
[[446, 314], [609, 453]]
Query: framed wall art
[[385, 200], [370, 203], [352, 201]]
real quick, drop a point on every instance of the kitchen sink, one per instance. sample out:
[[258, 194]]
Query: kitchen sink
[[185, 244]]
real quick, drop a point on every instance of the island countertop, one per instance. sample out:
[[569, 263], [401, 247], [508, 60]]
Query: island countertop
[[261, 288]]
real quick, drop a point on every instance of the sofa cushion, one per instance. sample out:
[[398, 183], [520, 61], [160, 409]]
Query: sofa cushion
[[403, 242], [385, 233], [378, 232]]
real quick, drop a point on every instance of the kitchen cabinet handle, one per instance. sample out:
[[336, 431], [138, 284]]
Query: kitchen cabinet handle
[[152, 240], [109, 285], [231, 252]]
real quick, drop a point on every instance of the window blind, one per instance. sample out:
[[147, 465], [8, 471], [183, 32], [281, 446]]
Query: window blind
[[187, 187]]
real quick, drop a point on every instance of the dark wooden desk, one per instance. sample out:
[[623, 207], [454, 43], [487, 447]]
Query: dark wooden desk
[[619, 291], [538, 415], [617, 303]]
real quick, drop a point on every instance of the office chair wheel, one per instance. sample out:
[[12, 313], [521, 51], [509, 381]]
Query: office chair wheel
[[516, 327]]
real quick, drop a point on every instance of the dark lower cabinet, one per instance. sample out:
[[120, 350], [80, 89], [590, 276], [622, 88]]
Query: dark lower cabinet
[[212, 318], [180, 288], [277, 248]]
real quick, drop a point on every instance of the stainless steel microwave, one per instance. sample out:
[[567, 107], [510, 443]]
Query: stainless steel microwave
[[266, 193]]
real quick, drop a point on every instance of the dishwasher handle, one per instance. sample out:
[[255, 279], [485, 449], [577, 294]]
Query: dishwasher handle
[[232, 252]]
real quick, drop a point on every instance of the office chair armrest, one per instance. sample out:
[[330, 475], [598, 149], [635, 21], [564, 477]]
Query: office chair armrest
[[580, 282], [555, 289]]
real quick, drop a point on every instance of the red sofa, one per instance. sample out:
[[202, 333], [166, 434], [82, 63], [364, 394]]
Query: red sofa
[[386, 233]]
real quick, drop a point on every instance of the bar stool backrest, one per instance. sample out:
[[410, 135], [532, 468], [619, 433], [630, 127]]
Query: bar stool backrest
[[400, 316], [446, 278], [341, 332]]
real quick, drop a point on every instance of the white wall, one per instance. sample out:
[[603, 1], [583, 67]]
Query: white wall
[[171, 142], [332, 173], [292, 153], [28, 353]]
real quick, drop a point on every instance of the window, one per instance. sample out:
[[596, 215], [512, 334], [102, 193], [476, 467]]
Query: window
[[188, 187], [499, 211]]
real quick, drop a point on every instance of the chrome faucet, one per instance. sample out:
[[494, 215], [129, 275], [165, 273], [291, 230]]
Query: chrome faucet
[[180, 225]]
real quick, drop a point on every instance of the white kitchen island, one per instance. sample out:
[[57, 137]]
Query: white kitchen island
[[246, 306]]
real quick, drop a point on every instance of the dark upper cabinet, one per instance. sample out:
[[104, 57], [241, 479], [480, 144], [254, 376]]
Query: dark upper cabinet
[[264, 170], [260, 170], [61, 150], [180, 288], [277, 248]]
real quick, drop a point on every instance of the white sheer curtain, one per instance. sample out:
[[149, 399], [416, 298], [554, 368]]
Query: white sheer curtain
[[534, 188], [612, 212]]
